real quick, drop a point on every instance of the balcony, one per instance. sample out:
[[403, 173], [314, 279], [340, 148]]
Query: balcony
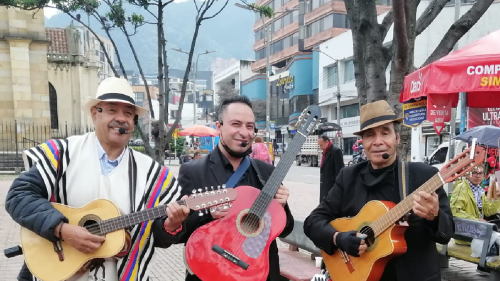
[[290, 5], [277, 57], [278, 35], [323, 36]]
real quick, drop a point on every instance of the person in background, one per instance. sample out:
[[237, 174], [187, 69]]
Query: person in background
[[197, 155], [468, 200], [331, 163], [260, 151]]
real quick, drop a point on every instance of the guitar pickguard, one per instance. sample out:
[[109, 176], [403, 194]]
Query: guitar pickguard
[[253, 246]]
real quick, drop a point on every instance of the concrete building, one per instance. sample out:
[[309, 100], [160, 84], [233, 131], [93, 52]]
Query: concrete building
[[340, 48], [294, 73], [232, 76]]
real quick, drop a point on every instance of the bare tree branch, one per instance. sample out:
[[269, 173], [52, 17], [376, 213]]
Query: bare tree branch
[[458, 29], [225, 4], [386, 24], [166, 3], [430, 13], [400, 34]]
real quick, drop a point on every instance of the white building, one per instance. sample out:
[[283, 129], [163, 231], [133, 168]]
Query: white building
[[340, 48], [231, 76]]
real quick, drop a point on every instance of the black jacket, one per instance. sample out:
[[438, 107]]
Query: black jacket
[[333, 161], [27, 204], [349, 195], [209, 171]]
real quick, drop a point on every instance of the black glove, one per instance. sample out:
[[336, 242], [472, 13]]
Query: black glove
[[348, 242]]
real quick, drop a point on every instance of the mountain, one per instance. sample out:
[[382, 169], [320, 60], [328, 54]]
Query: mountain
[[230, 34]]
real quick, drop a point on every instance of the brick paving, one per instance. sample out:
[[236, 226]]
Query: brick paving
[[168, 264]]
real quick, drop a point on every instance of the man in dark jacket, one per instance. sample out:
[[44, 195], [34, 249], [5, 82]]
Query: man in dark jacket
[[237, 129], [331, 163], [430, 221]]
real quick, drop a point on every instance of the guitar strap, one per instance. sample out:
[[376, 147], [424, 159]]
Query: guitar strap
[[236, 176], [403, 172]]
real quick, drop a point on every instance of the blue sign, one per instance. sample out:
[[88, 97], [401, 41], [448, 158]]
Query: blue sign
[[209, 143], [272, 125], [415, 112]]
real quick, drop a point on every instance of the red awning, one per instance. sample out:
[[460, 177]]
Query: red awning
[[474, 69]]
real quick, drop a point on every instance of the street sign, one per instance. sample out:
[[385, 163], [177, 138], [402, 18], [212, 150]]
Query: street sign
[[438, 126], [272, 125], [414, 112]]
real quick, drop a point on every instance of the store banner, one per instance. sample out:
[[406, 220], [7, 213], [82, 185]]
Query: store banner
[[484, 116], [415, 112]]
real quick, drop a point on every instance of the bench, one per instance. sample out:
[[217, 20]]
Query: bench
[[466, 230], [295, 265]]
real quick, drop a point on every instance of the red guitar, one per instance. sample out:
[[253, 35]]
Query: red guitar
[[236, 247]]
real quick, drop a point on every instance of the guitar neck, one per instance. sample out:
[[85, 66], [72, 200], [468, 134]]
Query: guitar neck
[[401, 209], [132, 219], [269, 190]]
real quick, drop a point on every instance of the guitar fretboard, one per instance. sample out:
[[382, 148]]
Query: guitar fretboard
[[396, 213], [129, 220]]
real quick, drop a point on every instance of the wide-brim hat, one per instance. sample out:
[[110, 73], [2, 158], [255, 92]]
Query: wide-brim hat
[[113, 89], [376, 114]]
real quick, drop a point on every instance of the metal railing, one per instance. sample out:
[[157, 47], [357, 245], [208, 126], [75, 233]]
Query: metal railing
[[18, 136]]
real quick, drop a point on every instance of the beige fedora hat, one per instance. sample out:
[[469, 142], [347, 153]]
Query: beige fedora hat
[[376, 114], [113, 89]]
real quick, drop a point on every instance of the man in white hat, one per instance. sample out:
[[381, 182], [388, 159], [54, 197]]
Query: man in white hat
[[381, 178], [98, 165]]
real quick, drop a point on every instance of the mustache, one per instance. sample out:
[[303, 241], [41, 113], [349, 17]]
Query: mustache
[[117, 124]]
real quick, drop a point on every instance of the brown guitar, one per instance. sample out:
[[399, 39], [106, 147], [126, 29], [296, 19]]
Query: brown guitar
[[377, 219], [101, 217]]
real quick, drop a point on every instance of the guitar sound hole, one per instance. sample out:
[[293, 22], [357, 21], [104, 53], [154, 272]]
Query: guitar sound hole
[[250, 223], [92, 227], [370, 240]]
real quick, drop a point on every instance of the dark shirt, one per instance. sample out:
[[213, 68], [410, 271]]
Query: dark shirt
[[250, 176], [382, 184]]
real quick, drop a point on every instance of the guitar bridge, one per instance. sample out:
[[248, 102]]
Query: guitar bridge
[[230, 257]]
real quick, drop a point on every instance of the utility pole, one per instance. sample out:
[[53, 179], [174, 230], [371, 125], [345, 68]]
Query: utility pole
[[451, 146], [268, 73], [338, 98]]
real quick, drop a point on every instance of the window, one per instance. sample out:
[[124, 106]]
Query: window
[[348, 70], [295, 38], [54, 118], [348, 143], [348, 111], [277, 46], [439, 157], [313, 28], [287, 19], [287, 42], [278, 24], [314, 4], [139, 98], [277, 4], [259, 34], [260, 54], [331, 73], [299, 103], [327, 22], [295, 16], [340, 20]]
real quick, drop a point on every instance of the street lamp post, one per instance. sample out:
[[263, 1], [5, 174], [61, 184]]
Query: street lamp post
[[194, 79], [269, 38]]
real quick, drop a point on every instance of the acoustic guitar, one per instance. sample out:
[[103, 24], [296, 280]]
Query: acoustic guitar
[[378, 220], [101, 217], [236, 247]]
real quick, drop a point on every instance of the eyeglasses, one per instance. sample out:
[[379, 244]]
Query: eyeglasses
[[476, 174]]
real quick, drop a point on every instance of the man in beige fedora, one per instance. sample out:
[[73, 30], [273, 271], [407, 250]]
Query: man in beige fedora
[[430, 221], [97, 165]]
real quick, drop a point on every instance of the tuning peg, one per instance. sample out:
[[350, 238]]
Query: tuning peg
[[212, 192], [206, 191], [200, 213], [223, 186], [206, 211]]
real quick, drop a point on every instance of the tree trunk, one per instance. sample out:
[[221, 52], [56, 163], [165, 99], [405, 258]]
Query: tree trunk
[[167, 83], [159, 157], [369, 69]]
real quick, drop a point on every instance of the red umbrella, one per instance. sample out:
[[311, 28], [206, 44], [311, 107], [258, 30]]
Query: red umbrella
[[199, 131], [474, 69]]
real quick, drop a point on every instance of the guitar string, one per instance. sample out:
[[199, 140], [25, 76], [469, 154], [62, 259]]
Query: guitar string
[[262, 203], [384, 226]]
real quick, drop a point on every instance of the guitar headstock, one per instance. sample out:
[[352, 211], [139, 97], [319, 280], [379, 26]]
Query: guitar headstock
[[308, 120], [211, 198], [463, 163]]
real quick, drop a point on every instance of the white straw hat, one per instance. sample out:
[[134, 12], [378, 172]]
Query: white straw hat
[[113, 89]]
